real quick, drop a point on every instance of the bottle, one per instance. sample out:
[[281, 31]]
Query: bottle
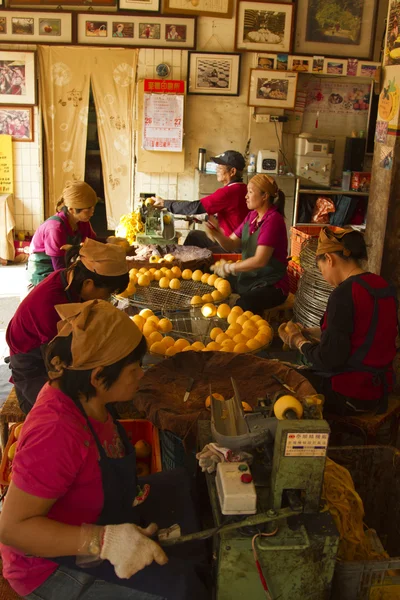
[[201, 165], [346, 176], [251, 168]]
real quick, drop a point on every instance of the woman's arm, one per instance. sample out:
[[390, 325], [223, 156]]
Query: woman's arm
[[24, 525]]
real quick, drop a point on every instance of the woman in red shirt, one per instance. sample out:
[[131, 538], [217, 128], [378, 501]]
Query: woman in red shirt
[[357, 339], [71, 225], [260, 278]]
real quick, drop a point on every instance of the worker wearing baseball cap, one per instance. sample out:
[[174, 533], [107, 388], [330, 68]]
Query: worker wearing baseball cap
[[228, 202]]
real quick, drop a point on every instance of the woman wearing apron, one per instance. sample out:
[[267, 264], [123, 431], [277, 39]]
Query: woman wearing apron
[[74, 497], [71, 225], [100, 270], [352, 353], [260, 278]]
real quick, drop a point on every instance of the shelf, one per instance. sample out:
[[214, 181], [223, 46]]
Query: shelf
[[332, 192]]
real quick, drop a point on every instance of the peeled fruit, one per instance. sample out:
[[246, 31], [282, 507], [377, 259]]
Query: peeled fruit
[[187, 274], [11, 451], [248, 314], [231, 333], [167, 219], [224, 287], [142, 469], [241, 320], [154, 258], [197, 275], [237, 309], [177, 272], [249, 325], [222, 337], [196, 301], [216, 296], [164, 282], [150, 275], [208, 310], [133, 272], [169, 257], [204, 277], [168, 341], [240, 349], [175, 284], [250, 333], [164, 269], [197, 346], [169, 274], [261, 337], [143, 270], [148, 328], [17, 431], [157, 275], [139, 321], [235, 327], [265, 331], [171, 351], [146, 313], [211, 279], [188, 348], [153, 318], [143, 449], [232, 317], [217, 281], [213, 346], [215, 331], [228, 346], [164, 325], [133, 280], [223, 311], [180, 344], [256, 318], [262, 323], [239, 338], [157, 348], [216, 396], [152, 270], [155, 336], [253, 344], [207, 298], [246, 407], [149, 202]]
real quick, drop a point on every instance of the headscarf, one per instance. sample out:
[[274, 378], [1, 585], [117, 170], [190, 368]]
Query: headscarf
[[77, 194], [331, 241], [266, 184], [101, 335], [103, 259]]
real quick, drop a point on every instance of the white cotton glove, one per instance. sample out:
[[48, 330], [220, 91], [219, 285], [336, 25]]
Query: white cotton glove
[[212, 454], [158, 202], [223, 269], [130, 549]]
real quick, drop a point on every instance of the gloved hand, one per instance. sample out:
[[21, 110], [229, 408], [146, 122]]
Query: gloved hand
[[223, 269], [158, 202], [212, 454], [291, 335], [129, 549]]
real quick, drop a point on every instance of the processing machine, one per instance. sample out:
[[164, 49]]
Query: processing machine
[[159, 225], [273, 538]]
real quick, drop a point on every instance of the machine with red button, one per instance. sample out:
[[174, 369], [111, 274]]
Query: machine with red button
[[236, 490]]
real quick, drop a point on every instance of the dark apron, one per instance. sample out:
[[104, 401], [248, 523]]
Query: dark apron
[[39, 264], [273, 272], [169, 502], [356, 361], [28, 369]]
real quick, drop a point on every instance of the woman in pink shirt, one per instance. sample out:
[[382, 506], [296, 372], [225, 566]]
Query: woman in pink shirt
[[76, 522], [71, 225], [260, 278]]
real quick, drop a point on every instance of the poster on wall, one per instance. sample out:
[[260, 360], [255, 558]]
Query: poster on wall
[[6, 165], [388, 107], [392, 41], [163, 122]]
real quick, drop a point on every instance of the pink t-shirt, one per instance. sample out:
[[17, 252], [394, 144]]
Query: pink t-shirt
[[229, 204], [52, 234], [57, 457]]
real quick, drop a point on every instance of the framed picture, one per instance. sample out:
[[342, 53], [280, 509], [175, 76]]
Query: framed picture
[[317, 65], [272, 88], [214, 74], [368, 69], [392, 40], [147, 5], [335, 28], [352, 66], [334, 66], [301, 64], [43, 27], [107, 29], [264, 26], [17, 122], [17, 77], [42, 3], [266, 61], [222, 9]]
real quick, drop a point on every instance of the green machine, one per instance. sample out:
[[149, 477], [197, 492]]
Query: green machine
[[295, 555], [159, 226]]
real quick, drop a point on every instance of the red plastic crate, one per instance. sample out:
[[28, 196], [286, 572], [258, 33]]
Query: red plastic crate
[[233, 257], [300, 234], [140, 429], [294, 271]]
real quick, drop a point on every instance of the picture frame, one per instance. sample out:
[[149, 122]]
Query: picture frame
[[317, 65], [266, 61], [214, 74], [391, 55], [139, 5], [17, 78], [43, 27], [17, 121], [368, 68], [301, 64], [273, 89], [337, 36], [264, 26], [223, 9], [335, 67], [111, 29], [54, 3]]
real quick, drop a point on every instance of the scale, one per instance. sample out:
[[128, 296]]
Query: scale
[[313, 160], [159, 224]]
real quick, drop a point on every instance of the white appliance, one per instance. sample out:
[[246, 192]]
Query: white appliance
[[313, 160], [236, 490], [267, 161]]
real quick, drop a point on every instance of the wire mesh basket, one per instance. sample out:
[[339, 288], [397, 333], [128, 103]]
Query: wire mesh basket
[[167, 300], [191, 325]]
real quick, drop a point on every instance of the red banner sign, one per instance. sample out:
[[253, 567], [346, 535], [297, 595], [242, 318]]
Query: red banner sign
[[164, 86]]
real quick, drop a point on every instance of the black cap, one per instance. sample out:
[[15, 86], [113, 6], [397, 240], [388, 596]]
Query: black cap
[[230, 158]]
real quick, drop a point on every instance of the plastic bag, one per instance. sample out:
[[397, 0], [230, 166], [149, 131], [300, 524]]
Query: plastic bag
[[323, 207]]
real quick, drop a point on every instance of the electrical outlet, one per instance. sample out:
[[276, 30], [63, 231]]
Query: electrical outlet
[[262, 118], [274, 119]]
